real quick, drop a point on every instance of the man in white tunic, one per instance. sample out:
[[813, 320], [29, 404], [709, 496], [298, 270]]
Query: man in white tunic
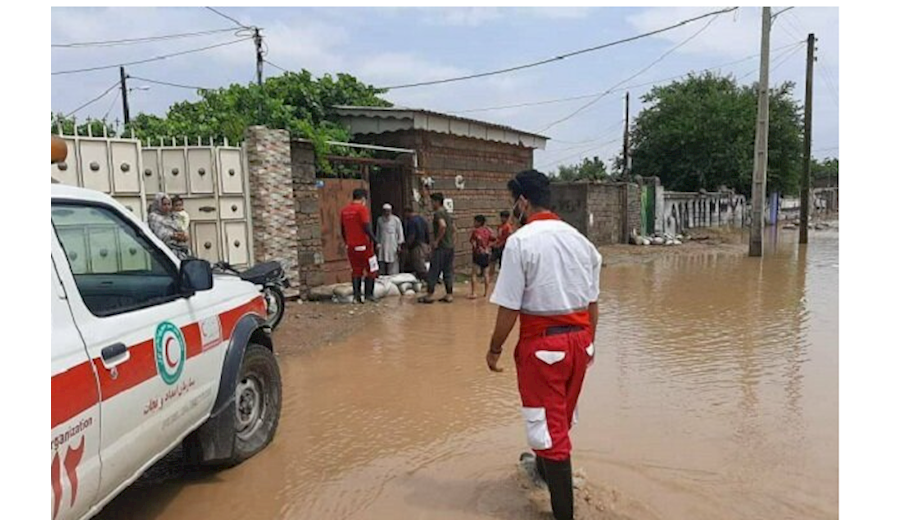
[[390, 238]]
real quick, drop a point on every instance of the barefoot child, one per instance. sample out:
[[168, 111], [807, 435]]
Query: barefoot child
[[481, 239]]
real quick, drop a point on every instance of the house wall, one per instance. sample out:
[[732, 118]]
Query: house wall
[[685, 210], [604, 212], [471, 173]]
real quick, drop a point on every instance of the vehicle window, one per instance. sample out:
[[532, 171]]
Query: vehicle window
[[115, 267]]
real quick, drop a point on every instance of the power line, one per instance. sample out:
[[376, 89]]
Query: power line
[[156, 58], [561, 56], [620, 89], [626, 80], [169, 84], [276, 66], [785, 59], [788, 49], [92, 101], [579, 154], [111, 105], [826, 149], [132, 41], [223, 15], [615, 127]]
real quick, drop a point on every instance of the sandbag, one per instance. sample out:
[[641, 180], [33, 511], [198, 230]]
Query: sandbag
[[381, 289], [343, 289], [322, 293], [393, 290], [398, 279]]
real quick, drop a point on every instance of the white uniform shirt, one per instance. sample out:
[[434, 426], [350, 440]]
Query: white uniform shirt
[[549, 269]]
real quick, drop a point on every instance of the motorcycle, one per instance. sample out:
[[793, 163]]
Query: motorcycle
[[270, 278]]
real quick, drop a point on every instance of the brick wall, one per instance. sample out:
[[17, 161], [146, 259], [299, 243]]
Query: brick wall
[[485, 167], [599, 209], [272, 197], [308, 219]]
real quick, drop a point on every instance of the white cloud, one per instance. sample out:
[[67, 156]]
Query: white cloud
[[563, 13], [464, 16]]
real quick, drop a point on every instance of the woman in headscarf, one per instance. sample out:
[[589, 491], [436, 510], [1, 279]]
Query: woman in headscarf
[[164, 225]]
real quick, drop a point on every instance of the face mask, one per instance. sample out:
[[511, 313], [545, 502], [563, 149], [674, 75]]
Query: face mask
[[518, 214]]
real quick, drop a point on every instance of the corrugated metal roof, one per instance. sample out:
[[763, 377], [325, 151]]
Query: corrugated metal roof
[[417, 118]]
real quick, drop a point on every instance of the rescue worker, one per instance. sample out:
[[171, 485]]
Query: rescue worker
[[356, 230], [550, 282]]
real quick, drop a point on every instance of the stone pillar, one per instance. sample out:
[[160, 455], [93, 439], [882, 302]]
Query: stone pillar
[[272, 198], [306, 213]]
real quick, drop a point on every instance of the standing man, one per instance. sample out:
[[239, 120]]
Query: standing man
[[416, 242], [390, 238], [503, 232], [551, 283], [356, 229], [441, 251]]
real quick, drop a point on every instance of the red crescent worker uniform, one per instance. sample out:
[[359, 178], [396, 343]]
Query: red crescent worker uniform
[[354, 218], [550, 274]]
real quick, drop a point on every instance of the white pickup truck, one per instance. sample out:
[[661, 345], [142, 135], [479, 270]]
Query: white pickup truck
[[147, 351]]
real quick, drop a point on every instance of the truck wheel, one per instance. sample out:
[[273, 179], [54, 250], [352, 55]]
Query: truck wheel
[[257, 402]]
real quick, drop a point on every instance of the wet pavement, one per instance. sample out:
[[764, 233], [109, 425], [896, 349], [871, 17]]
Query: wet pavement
[[714, 395]]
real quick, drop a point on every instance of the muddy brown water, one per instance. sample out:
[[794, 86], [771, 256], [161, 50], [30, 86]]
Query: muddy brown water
[[714, 395]]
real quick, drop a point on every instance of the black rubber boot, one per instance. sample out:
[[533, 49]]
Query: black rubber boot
[[370, 290], [558, 475], [357, 290]]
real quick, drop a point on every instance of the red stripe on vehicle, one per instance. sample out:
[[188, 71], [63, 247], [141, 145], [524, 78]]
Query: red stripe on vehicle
[[75, 390], [71, 393]]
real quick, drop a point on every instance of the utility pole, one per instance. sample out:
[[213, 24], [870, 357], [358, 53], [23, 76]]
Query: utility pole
[[761, 151], [257, 40], [626, 166], [123, 84], [807, 139]]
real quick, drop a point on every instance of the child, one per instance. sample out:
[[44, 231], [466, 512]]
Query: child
[[181, 216], [481, 239], [503, 231]]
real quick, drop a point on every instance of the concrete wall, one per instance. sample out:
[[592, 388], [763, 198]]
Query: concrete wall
[[686, 210], [604, 212]]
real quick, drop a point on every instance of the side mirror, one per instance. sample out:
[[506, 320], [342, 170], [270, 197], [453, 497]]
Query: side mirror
[[195, 275]]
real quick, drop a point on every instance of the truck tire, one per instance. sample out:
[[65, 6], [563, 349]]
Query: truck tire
[[257, 402]]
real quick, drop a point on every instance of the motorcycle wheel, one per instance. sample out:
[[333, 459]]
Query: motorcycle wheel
[[274, 305]]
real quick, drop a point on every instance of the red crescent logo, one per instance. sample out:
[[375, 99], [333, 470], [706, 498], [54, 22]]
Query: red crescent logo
[[172, 364]]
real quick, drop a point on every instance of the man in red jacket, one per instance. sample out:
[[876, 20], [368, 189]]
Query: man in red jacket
[[356, 229]]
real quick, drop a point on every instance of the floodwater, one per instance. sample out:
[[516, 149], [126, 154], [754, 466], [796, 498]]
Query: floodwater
[[714, 395]]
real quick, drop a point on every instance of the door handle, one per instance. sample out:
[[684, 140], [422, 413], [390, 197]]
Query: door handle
[[114, 355]]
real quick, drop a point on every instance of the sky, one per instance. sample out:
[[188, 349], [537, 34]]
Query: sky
[[395, 46]]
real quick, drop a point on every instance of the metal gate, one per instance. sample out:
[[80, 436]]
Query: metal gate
[[334, 194], [384, 180], [211, 179], [648, 209]]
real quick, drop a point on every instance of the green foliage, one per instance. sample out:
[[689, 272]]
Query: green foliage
[[589, 170], [826, 170], [700, 132], [68, 126], [294, 101]]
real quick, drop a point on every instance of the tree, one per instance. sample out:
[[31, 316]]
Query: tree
[[825, 171], [699, 133], [67, 124], [294, 101], [589, 170]]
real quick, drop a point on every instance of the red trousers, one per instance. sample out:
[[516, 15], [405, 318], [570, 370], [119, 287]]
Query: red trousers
[[359, 261], [550, 370]]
